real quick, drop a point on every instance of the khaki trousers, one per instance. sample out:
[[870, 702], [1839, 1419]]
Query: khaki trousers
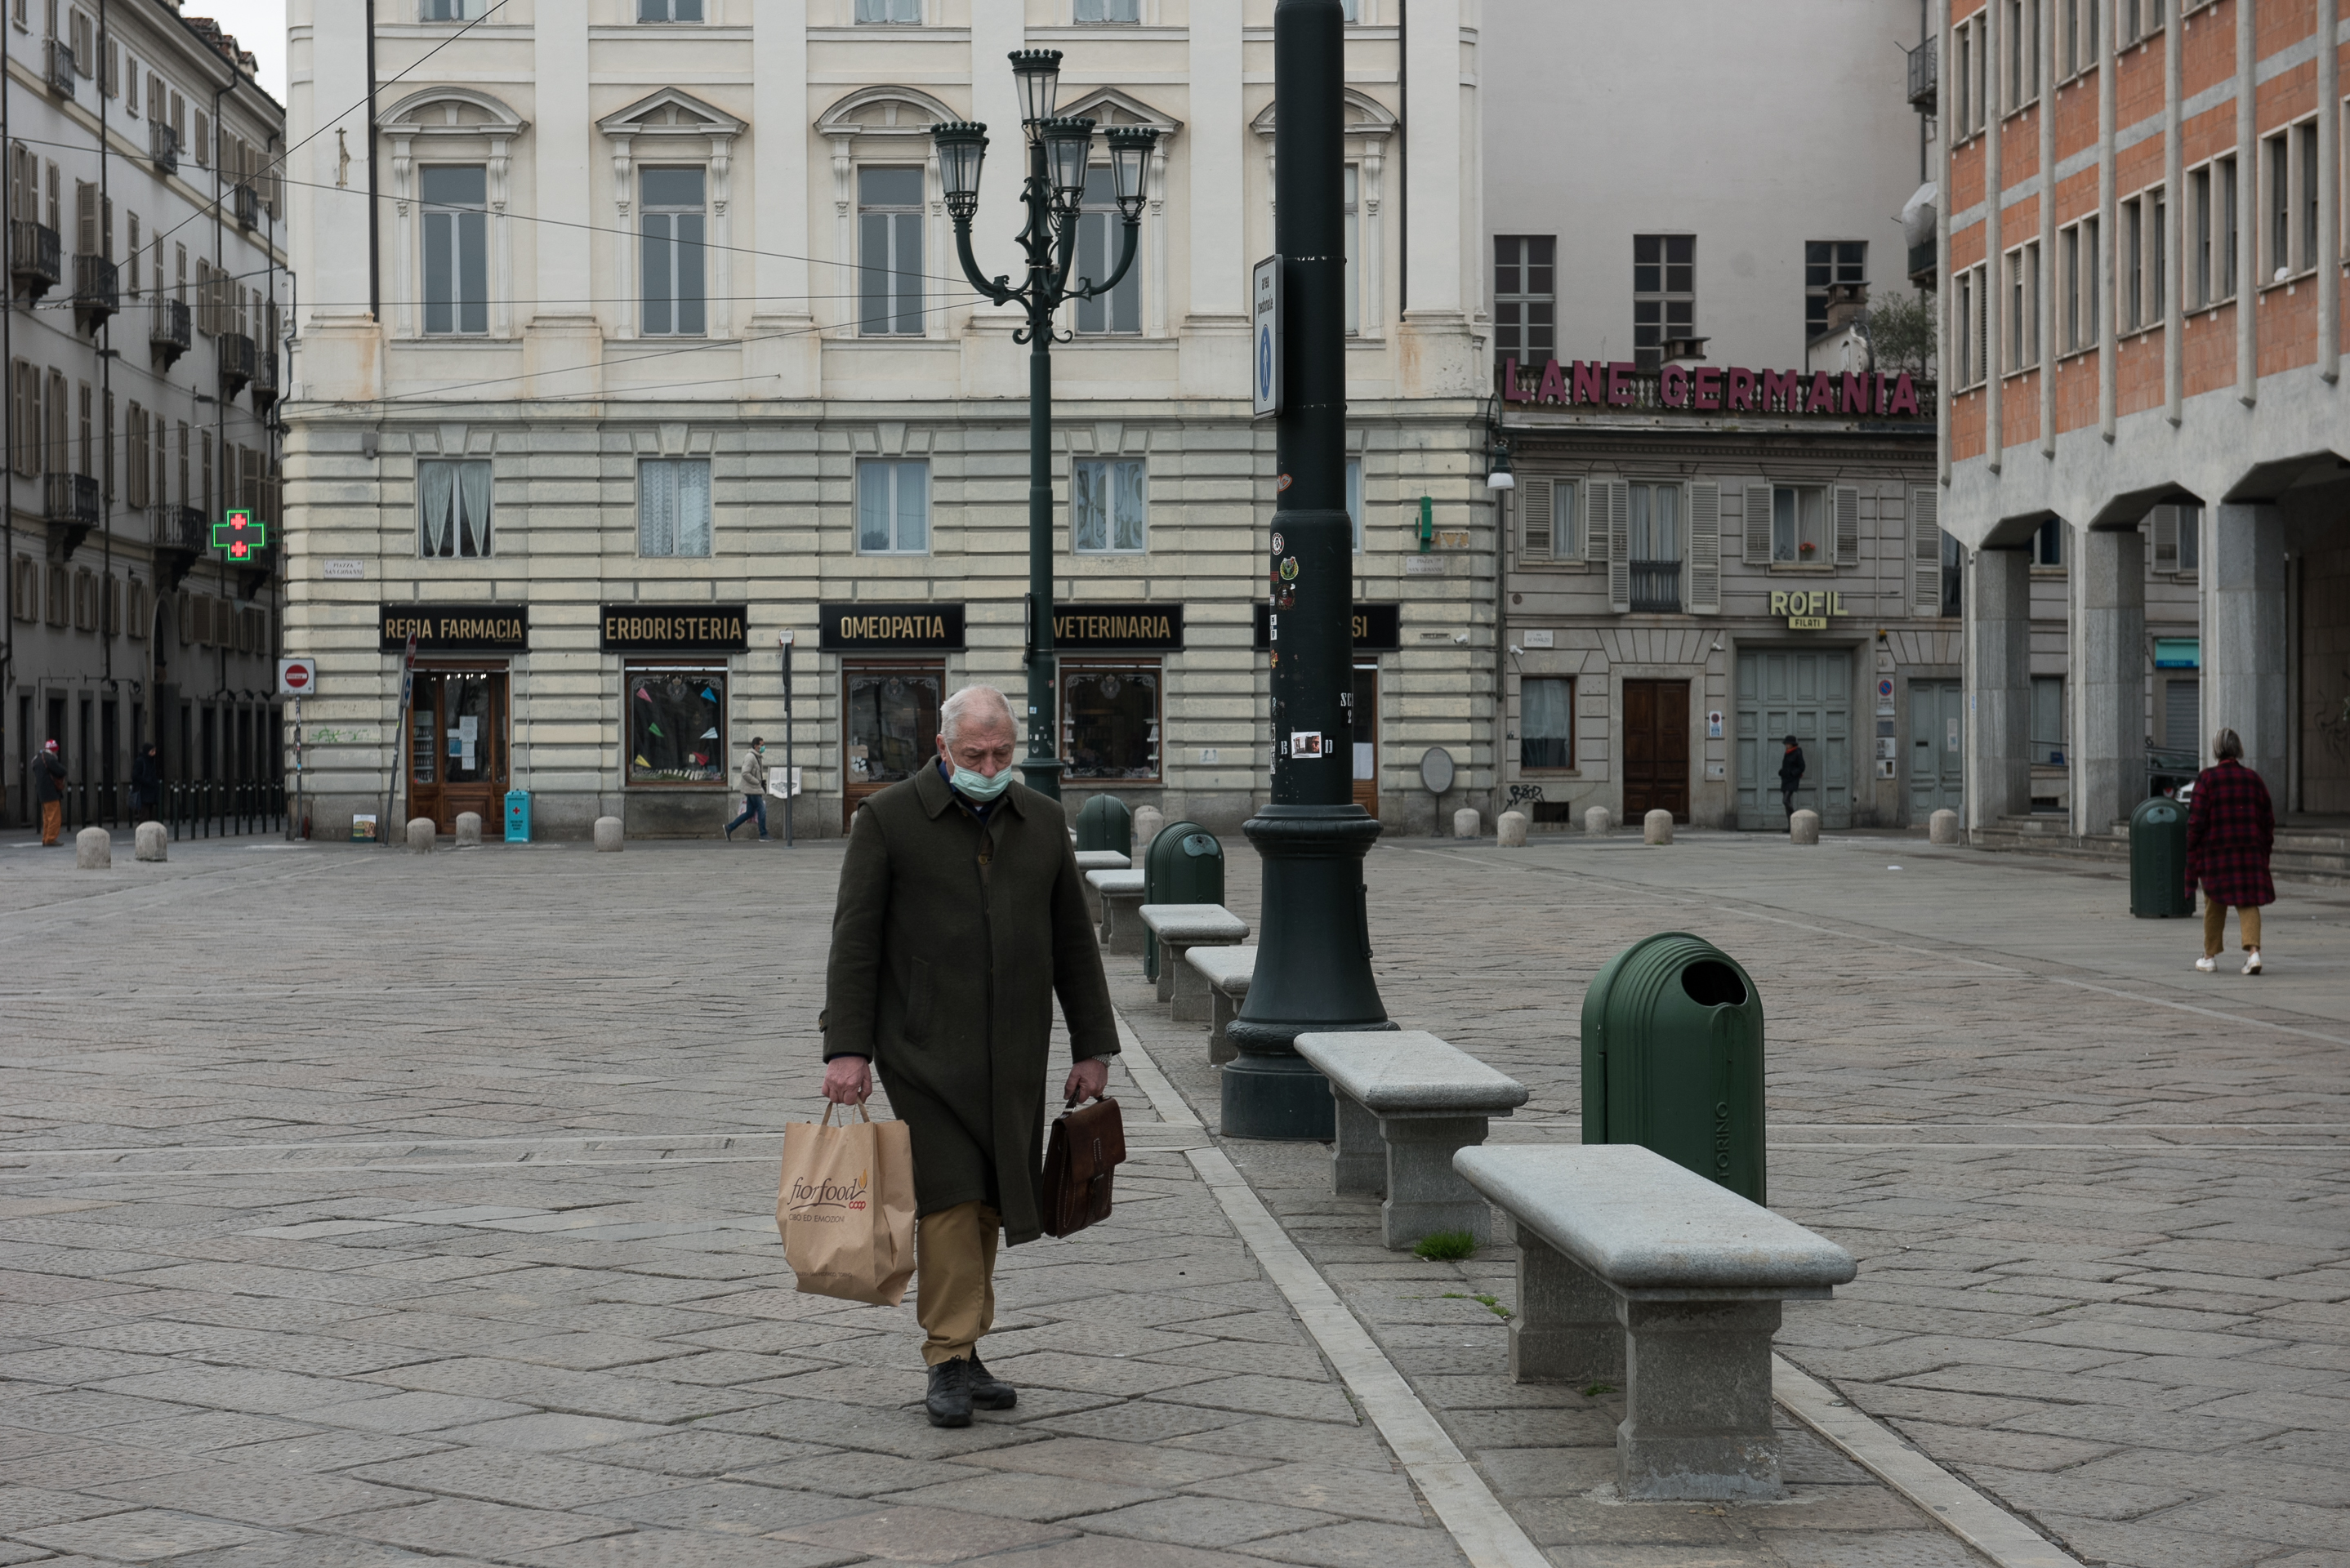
[[2215, 925], [954, 1279], [53, 820]]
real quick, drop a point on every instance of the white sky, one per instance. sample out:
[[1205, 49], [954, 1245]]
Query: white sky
[[256, 25]]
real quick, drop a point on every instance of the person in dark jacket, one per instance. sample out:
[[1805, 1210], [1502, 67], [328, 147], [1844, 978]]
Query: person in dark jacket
[[1791, 774], [49, 789], [962, 916], [146, 783], [2230, 829]]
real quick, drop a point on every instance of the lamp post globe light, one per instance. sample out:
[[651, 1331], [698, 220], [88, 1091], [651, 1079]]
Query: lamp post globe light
[[1060, 150]]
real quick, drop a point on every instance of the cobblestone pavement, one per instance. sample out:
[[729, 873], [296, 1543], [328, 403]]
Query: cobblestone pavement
[[381, 1207], [2099, 1199]]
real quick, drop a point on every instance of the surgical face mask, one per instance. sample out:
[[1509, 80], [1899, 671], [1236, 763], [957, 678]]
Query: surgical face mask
[[978, 787]]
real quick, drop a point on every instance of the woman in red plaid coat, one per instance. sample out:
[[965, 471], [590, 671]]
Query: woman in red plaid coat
[[2230, 829]]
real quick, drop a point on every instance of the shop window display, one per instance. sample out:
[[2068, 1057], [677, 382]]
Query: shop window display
[[677, 726], [893, 723], [1110, 720]]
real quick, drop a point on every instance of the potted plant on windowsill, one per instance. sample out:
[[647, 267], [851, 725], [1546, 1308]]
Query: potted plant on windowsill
[[1805, 550]]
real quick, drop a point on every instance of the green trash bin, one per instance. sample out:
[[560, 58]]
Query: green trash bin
[[1184, 865], [1104, 823], [2157, 851], [1672, 1059]]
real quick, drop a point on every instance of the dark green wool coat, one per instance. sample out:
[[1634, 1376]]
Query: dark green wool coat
[[948, 943]]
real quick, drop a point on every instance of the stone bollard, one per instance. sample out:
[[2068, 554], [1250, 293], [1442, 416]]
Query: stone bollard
[[1465, 821], [1944, 828], [153, 842], [1595, 822], [1147, 821], [422, 834], [608, 836], [468, 829], [1804, 827], [93, 850], [1657, 827], [1511, 828]]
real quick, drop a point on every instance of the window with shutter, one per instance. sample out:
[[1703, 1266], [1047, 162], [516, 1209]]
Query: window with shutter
[[1535, 524], [1705, 549], [1619, 543], [1924, 552], [1847, 525], [1595, 534], [1758, 524]]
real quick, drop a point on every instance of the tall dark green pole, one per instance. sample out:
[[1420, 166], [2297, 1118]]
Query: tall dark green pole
[[1314, 964], [1040, 767]]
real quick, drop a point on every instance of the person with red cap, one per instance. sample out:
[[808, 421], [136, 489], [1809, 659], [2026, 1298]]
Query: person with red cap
[[49, 789]]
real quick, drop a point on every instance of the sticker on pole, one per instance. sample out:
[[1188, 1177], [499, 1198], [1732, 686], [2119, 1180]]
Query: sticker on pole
[[1306, 743], [1265, 381], [297, 677]]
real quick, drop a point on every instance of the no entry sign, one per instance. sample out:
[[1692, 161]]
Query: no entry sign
[[297, 677]]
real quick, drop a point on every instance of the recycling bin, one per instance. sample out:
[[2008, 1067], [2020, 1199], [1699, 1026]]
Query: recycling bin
[[1184, 865], [518, 817], [1104, 823], [1672, 1059], [2157, 859]]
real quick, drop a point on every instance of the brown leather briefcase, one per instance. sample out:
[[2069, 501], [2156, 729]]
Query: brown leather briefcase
[[1084, 1147]]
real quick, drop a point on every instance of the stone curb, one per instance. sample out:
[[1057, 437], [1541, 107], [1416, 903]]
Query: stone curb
[[1962, 1510]]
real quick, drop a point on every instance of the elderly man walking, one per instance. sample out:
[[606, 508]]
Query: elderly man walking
[[960, 917]]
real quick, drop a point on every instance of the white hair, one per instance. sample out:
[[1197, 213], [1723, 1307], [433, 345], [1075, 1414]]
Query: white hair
[[960, 706]]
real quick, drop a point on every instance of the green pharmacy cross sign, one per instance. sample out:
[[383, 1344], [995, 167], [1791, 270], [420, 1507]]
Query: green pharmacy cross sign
[[240, 537]]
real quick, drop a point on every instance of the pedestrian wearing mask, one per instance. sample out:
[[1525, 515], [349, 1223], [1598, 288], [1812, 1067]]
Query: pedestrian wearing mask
[[961, 918], [753, 780], [2230, 829]]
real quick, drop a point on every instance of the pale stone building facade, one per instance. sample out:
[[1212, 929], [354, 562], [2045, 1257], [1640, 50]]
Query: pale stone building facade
[[147, 288], [1722, 526], [662, 352]]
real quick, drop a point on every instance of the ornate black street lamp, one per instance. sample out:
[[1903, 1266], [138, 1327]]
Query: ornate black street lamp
[[1060, 150]]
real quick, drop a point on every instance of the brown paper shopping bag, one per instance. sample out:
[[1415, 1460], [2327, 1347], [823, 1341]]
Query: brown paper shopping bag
[[846, 1208]]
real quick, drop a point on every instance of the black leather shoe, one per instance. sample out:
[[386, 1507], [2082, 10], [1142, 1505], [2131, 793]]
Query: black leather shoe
[[949, 1400], [989, 1392]]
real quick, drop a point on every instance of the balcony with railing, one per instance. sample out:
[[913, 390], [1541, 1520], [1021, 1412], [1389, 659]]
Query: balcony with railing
[[35, 259], [180, 540], [64, 78], [168, 330], [248, 206], [97, 289], [1656, 588], [265, 377], [235, 363], [71, 509], [164, 147], [1925, 77]]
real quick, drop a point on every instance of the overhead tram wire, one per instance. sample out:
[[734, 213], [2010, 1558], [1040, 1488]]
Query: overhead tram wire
[[279, 163]]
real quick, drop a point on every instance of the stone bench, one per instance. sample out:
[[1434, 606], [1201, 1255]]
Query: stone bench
[[1120, 894], [1225, 971], [1636, 1271], [1179, 928], [1098, 861], [1405, 1101]]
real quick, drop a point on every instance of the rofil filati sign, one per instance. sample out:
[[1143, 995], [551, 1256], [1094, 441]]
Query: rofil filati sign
[[889, 628], [673, 629], [455, 628], [1807, 611]]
